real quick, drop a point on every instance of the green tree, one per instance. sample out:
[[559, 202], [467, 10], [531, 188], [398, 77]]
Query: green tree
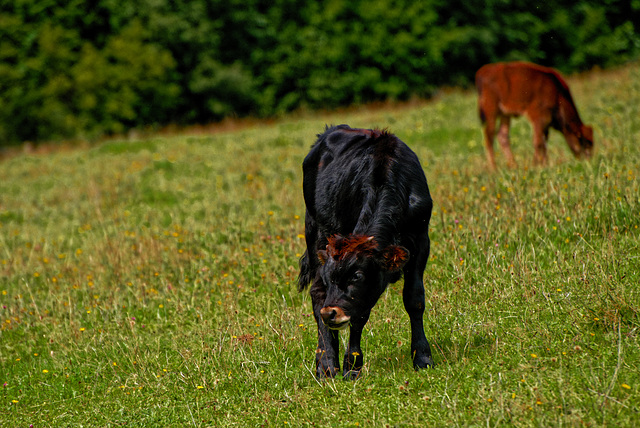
[[127, 83]]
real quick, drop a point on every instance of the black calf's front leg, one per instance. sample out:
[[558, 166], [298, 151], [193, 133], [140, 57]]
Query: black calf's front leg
[[413, 298], [327, 363], [353, 359]]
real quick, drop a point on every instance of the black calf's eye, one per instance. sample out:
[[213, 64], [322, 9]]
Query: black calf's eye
[[358, 276]]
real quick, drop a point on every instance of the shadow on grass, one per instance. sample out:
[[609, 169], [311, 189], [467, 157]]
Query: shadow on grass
[[447, 350], [444, 350]]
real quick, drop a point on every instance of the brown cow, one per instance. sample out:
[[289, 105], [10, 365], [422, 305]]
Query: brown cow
[[511, 89]]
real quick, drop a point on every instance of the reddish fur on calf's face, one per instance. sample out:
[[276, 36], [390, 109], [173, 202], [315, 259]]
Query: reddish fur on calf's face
[[339, 246], [395, 258], [392, 258]]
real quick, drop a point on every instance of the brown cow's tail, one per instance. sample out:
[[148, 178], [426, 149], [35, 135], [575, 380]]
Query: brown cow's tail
[[483, 117], [481, 113], [304, 277]]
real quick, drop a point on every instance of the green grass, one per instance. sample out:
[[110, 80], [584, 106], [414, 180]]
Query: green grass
[[152, 283]]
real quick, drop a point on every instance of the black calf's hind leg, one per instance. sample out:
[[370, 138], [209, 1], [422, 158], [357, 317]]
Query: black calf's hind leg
[[413, 297]]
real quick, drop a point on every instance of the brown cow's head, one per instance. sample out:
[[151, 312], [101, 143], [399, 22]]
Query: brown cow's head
[[580, 140], [355, 272], [586, 140]]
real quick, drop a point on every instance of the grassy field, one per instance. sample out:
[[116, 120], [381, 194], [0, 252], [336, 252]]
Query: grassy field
[[152, 283]]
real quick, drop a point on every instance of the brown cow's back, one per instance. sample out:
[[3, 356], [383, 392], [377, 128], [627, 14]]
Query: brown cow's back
[[521, 87]]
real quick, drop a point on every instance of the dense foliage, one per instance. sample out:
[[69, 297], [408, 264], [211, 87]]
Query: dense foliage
[[84, 68]]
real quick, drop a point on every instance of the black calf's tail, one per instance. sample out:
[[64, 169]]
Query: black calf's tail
[[304, 277]]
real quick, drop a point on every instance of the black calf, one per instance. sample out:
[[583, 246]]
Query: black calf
[[367, 220]]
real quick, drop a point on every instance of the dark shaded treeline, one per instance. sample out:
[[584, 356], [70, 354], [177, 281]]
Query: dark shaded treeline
[[85, 68]]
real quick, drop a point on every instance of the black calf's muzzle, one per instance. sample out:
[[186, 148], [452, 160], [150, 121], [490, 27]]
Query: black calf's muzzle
[[334, 317]]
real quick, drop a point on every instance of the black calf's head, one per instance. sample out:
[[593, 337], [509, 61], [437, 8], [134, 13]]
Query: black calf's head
[[355, 272]]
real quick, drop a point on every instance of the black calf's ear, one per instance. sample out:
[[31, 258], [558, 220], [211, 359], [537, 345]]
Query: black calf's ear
[[322, 256], [394, 257]]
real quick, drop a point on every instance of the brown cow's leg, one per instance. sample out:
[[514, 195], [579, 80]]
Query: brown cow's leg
[[503, 139], [488, 110], [327, 364], [413, 298], [353, 359], [489, 134], [540, 136]]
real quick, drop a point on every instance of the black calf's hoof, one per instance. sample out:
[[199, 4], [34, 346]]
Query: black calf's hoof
[[351, 375], [324, 373], [422, 362]]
